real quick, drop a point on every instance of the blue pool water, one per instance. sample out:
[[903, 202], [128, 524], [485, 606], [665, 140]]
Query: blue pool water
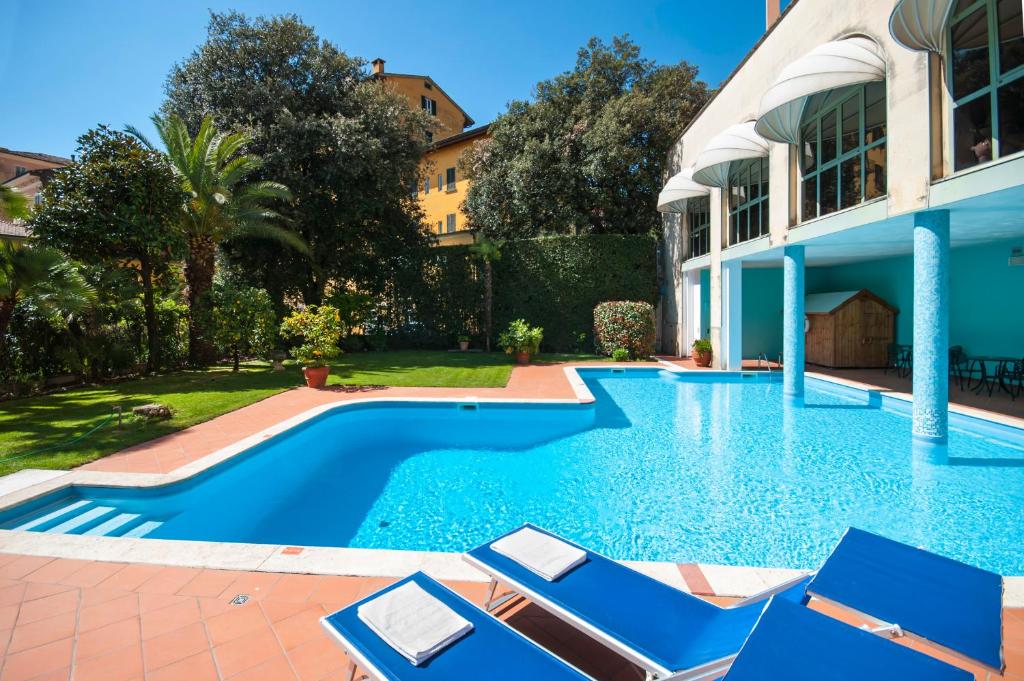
[[663, 467]]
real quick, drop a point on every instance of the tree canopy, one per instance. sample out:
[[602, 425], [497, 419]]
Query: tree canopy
[[588, 155], [346, 146]]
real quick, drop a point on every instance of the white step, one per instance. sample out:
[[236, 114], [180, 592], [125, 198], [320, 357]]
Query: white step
[[143, 529], [53, 515], [80, 519], [109, 526]]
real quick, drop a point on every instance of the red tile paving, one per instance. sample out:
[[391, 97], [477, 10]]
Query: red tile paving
[[88, 631]]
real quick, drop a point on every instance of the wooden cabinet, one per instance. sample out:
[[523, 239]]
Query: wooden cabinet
[[848, 329]]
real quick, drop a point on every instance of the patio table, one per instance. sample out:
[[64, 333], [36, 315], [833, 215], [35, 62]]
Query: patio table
[[988, 379]]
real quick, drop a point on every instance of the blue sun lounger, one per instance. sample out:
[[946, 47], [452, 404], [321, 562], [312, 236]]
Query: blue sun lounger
[[909, 591], [663, 630], [491, 650], [795, 643]]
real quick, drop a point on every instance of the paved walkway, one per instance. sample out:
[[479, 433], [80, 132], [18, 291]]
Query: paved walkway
[[84, 620]]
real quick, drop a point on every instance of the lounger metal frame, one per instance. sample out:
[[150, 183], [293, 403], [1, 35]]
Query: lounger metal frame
[[705, 672]]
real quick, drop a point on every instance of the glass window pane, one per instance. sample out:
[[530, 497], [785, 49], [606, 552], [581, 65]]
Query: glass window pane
[[764, 216], [809, 146], [755, 181], [828, 194], [970, 53], [874, 172], [733, 220], [851, 124], [1011, 117], [764, 177], [874, 112], [849, 182], [972, 133], [742, 226], [1011, 35], [828, 137], [810, 203], [755, 220]]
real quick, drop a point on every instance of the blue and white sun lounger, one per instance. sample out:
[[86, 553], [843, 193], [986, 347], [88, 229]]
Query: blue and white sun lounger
[[491, 650], [798, 644], [905, 590], [665, 631]]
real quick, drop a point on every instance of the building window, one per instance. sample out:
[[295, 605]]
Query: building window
[[986, 80], [748, 200], [698, 221], [429, 105], [439, 182], [451, 222], [842, 145], [413, 189], [20, 170], [440, 227], [426, 185], [450, 179], [430, 137], [38, 199]]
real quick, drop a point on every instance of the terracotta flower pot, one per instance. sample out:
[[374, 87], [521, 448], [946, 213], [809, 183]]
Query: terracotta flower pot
[[463, 345], [523, 358], [702, 358], [316, 377]]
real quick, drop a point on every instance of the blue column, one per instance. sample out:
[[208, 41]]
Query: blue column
[[931, 326], [793, 324]]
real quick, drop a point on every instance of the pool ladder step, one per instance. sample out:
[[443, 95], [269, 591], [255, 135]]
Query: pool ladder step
[[86, 518]]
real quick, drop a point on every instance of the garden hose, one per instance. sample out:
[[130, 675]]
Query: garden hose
[[72, 441]]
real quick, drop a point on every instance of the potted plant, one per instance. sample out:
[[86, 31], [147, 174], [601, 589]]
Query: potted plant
[[318, 327], [521, 340], [702, 352], [463, 342]]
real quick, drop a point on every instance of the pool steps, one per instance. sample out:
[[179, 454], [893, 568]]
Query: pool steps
[[85, 517]]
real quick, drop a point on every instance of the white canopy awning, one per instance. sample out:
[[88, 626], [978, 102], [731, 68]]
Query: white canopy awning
[[833, 65], [921, 24], [678, 190], [737, 143]]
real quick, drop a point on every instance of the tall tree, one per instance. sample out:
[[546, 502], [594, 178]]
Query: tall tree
[[222, 203], [488, 250], [115, 205], [346, 145], [588, 154]]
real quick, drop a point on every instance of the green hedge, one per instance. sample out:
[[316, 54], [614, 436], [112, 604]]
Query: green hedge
[[551, 282]]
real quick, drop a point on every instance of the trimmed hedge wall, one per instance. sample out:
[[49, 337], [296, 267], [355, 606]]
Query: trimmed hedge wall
[[551, 282]]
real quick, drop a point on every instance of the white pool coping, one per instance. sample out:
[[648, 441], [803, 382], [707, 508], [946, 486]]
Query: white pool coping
[[29, 484]]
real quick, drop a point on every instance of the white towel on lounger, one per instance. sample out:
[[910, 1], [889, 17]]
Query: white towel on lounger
[[413, 622], [540, 553]]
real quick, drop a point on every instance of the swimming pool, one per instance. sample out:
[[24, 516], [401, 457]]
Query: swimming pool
[[683, 467]]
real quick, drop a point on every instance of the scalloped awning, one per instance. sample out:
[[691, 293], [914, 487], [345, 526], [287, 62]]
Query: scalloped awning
[[678, 190], [829, 66], [920, 25], [736, 143]]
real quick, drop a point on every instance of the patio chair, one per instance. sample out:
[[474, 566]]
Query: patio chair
[[798, 644], [898, 359], [911, 592], [490, 650], [665, 631], [962, 368]]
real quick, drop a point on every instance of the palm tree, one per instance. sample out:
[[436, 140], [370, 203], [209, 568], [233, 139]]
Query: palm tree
[[42, 275], [222, 205], [488, 250], [13, 204]]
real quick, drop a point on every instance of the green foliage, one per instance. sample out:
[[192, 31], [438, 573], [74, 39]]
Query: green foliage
[[620, 355], [624, 325], [521, 337], [244, 322], [354, 309], [42, 275], [702, 345], [318, 328], [13, 204], [588, 154], [347, 146]]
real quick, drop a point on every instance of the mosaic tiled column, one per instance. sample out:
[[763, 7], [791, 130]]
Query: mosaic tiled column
[[931, 326], [793, 324]]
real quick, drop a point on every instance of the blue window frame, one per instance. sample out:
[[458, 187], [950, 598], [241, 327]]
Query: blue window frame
[[698, 224], [748, 200]]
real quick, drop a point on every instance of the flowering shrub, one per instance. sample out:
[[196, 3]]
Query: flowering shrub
[[521, 337], [319, 328], [624, 324]]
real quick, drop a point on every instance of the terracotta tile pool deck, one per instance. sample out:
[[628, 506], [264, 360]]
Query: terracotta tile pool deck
[[76, 619]]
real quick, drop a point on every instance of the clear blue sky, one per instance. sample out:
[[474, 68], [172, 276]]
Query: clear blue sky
[[67, 65]]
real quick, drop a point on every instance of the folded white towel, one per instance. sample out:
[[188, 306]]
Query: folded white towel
[[540, 553], [413, 622]]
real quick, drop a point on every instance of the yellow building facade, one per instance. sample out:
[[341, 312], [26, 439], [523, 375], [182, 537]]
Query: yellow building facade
[[442, 188]]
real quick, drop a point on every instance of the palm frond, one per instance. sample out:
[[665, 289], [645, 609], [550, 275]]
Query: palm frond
[[259, 229]]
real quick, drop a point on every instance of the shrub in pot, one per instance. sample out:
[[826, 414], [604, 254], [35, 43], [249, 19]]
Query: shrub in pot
[[318, 328], [463, 342], [624, 325], [521, 340], [702, 352]]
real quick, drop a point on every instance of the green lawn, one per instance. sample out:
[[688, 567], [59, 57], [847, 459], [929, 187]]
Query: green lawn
[[52, 421]]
